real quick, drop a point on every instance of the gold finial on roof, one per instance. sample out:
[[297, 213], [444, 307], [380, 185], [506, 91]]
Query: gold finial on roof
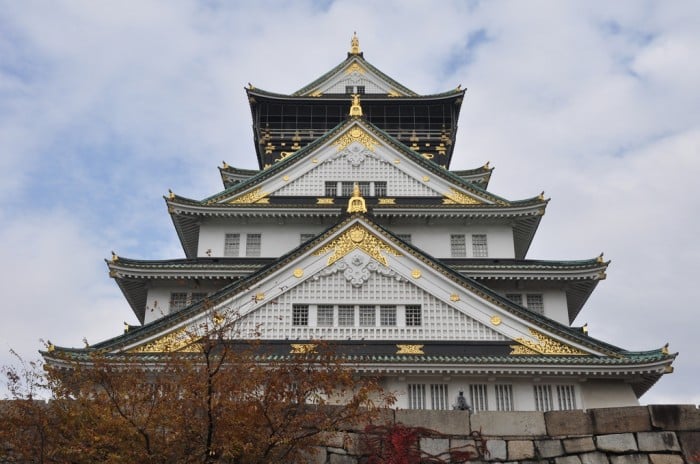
[[356, 204], [171, 195], [115, 258], [486, 166], [599, 259], [356, 108], [541, 196], [664, 349], [50, 347], [225, 165], [584, 329], [354, 44]]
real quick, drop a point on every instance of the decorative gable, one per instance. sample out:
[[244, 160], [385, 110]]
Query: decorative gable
[[356, 76]]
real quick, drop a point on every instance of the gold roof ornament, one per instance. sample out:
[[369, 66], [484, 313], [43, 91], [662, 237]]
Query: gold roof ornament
[[355, 108], [356, 204], [115, 258], [355, 44]]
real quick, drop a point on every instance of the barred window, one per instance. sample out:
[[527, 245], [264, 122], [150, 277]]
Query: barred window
[[458, 246], [300, 315], [480, 248], [346, 189], [364, 188], [232, 243], [416, 396], [178, 301], [367, 316], [324, 315], [360, 89], [504, 397], [566, 397], [535, 303], [479, 397], [405, 237], [252, 245], [515, 298], [346, 316], [348, 89], [413, 315], [331, 188], [380, 189], [306, 237], [543, 398], [438, 396], [387, 315]]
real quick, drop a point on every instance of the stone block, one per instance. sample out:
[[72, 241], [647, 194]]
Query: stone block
[[445, 422], [549, 448], [665, 458], [384, 416], [434, 446], [617, 443], [464, 445], [578, 445], [630, 459], [675, 416], [690, 442], [496, 450], [575, 422], [594, 458], [520, 449], [618, 420], [502, 424], [316, 455], [657, 441], [567, 460], [342, 459]]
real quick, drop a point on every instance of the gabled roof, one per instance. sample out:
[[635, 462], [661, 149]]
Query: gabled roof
[[572, 348]]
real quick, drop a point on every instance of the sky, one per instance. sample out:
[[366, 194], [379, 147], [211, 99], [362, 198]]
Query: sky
[[104, 106]]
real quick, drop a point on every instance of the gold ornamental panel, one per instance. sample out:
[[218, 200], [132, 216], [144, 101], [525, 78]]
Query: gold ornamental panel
[[356, 134], [179, 340], [256, 196], [357, 237], [355, 67], [410, 349], [455, 197], [303, 348], [544, 345]]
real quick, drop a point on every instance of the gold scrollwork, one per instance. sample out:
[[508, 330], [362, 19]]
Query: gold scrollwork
[[454, 297], [410, 349], [357, 237], [455, 197], [416, 273], [356, 134], [256, 196], [355, 67], [544, 345], [324, 201], [496, 320], [298, 272], [303, 348], [179, 340], [387, 201]]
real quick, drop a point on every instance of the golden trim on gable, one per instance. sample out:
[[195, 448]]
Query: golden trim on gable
[[544, 345], [356, 134], [357, 237], [256, 196], [410, 349], [455, 197], [179, 340]]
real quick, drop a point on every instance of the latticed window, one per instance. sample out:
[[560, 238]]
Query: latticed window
[[405, 237], [566, 397], [543, 398], [515, 298], [504, 397], [380, 189], [178, 301], [348, 89], [360, 89], [480, 248], [416, 396], [252, 245], [346, 189], [346, 316], [232, 243], [535, 303], [306, 237], [479, 397], [367, 316], [458, 246], [387, 315], [413, 315], [331, 188], [438, 396], [324, 315], [364, 188], [300, 315]]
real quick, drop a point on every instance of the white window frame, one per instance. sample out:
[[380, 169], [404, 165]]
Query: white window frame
[[416, 396], [300, 315], [413, 315], [253, 245], [232, 244], [387, 316], [458, 245], [479, 397], [439, 398], [480, 247]]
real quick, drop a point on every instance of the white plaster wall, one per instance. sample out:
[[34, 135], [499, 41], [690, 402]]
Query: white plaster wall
[[435, 240], [607, 394], [555, 306], [158, 299]]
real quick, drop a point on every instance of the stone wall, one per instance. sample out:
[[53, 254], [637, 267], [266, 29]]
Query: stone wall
[[660, 434]]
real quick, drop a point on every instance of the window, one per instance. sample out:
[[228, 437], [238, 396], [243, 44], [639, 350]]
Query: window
[[413, 315], [416, 396], [405, 237], [438, 396], [178, 301], [331, 188], [232, 243], [566, 397], [479, 397], [346, 316], [360, 89], [515, 298], [252, 245], [300, 315], [348, 89], [346, 189], [504, 397], [535, 303], [379, 189], [543, 398], [479, 246], [324, 315], [387, 315], [364, 188], [458, 246], [367, 316], [306, 237]]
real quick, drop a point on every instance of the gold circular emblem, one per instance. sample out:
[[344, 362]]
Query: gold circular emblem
[[314, 160], [426, 179], [397, 161], [454, 297], [416, 274], [495, 320], [356, 132], [285, 178], [357, 235], [298, 272]]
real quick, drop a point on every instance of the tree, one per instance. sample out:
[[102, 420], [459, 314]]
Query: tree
[[213, 400]]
